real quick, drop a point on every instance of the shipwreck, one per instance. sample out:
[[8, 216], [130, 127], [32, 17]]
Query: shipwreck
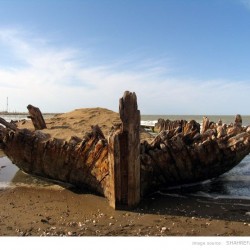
[[120, 160]]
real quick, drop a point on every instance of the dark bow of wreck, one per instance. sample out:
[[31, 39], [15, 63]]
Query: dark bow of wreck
[[121, 166]]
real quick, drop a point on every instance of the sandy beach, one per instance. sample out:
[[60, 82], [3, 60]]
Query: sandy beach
[[54, 210], [63, 212]]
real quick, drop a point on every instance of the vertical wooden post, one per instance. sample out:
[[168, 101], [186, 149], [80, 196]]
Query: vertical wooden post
[[124, 156], [36, 117]]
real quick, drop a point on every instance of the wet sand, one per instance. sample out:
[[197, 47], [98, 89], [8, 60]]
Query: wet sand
[[56, 211]]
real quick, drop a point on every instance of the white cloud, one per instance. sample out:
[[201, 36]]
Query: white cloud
[[61, 79], [246, 3]]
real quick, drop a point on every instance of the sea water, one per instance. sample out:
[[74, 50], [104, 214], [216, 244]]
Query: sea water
[[227, 119], [233, 184]]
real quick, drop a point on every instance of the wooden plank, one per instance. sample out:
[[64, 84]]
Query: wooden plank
[[124, 155]]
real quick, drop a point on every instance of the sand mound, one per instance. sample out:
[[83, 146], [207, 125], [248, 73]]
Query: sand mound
[[79, 121]]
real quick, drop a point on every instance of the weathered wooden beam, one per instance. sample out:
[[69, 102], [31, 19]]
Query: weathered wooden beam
[[8, 124], [36, 117], [205, 124], [124, 155]]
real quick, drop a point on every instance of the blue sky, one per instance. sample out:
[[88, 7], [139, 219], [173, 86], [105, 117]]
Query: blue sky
[[179, 56]]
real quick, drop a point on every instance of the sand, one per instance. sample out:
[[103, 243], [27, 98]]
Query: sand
[[54, 210], [64, 212], [79, 121]]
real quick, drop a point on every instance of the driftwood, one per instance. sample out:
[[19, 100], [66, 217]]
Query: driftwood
[[36, 117], [122, 168]]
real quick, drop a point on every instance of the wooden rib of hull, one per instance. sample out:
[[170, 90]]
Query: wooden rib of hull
[[172, 162], [84, 164]]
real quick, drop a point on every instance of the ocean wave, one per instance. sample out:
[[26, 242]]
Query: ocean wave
[[149, 123]]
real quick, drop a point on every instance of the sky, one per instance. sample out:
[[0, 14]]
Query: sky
[[184, 57]]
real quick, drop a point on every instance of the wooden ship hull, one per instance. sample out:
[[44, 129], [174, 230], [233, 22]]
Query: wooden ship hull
[[122, 167]]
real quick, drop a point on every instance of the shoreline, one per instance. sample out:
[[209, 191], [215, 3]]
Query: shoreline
[[25, 113], [50, 211]]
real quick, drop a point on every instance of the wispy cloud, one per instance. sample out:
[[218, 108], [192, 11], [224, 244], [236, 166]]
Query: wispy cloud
[[245, 3], [59, 79]]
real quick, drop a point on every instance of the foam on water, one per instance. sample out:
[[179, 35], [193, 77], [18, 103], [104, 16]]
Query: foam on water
[[149, 123]]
